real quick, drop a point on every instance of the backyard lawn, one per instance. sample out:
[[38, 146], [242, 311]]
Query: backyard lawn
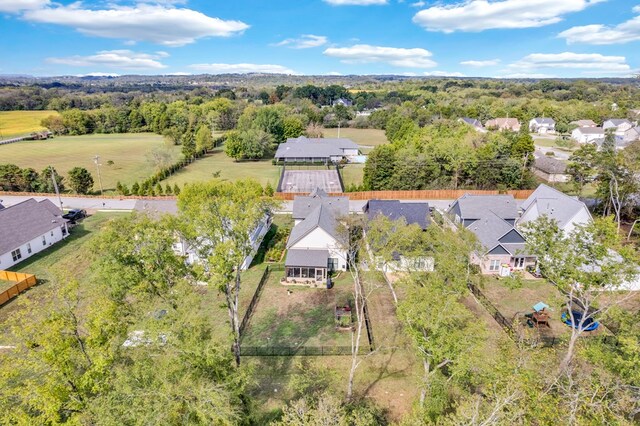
[[352, 174], [20, 123], [128, 151], [217, 161]]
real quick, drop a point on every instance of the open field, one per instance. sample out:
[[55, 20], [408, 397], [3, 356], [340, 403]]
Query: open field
[[204, 169], [364, 137], [20, 123], [128, 151]]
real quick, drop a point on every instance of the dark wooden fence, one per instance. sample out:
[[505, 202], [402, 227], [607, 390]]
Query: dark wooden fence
[[299, 350], [254, 300]]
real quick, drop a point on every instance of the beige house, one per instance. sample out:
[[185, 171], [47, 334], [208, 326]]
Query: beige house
[[503, 124]]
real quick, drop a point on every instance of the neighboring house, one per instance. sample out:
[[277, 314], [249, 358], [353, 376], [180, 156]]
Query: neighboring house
[[1, 206], [542, 125], [314, 248], [550, 169], [470, 208], [619, 125], [505, 124], [182, 247], [27, 228], [413, 213], [342, 101], [584, 123], [476, 124], [492, 219], [316, 150], [587, 134], [631, 135], [567, 211]]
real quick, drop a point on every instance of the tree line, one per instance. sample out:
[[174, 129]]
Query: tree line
[[16, 179]]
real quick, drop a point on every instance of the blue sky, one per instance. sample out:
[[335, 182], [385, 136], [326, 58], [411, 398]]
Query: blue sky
[[505, 38]]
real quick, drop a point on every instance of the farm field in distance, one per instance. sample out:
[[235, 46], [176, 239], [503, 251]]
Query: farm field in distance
[[128, 151], [20, 123], [204, 169]]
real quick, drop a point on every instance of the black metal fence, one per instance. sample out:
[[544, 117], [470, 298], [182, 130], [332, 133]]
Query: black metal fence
[[506, 325], [254, 300], [298, 350]]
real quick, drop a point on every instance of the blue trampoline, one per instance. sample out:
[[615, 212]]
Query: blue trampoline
[[589, 323]]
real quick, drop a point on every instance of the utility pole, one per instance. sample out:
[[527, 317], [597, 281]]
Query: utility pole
[[55, 186], [96, 160]]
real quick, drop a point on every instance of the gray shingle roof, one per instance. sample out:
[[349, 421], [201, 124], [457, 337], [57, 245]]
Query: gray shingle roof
[[554, 204], [341, 143], [303, 205], [550, 165], [394, 210], [542, 120], [471, 121], [617, 121], [307, 150], [477, 206], [591, 130], [490, 229], [26, 221], [307, 257], [321, 217]]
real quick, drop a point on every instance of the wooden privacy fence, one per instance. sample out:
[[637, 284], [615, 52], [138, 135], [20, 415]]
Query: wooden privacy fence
[[23, 282], [427, 194]]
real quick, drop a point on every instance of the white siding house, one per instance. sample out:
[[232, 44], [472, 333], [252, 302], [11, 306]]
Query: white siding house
[[587, 134], [567, 211], [28, 228]]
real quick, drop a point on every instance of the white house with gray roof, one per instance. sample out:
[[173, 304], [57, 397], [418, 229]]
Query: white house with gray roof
[[316, 150], [542, 125], [492, 219], [28, 228], [619, 125], [314, 248], [587, 134]]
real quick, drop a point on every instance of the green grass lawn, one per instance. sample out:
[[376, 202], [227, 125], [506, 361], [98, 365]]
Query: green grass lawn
[[20, 123], [365, 137], [204, 169], [128, 151], [65, 260], [352, 174]]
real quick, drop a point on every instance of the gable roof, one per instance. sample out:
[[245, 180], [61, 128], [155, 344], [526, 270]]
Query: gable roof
[[477, 206], [342, 143], [299, 150], [394, 209], [471, 121], [303, 205], [542, 120], [617, 121], [26, 221], [502, 122], [591, 130], [550, 165], [554, 204], [307, 258], [584, 123], [321, 217], [490, 229]]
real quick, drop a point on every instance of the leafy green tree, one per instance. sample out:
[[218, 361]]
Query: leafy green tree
[[582, 166], [176, 189], [135, 188], [188, 144], [379, 168], [233, 145], [204, 139], [80, 180], [219, 218], [293, 127]]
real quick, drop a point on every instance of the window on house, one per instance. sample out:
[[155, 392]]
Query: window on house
[[494, 265], [16, 255], [333, 264], [29, 248], [52, 233], [44, 241]]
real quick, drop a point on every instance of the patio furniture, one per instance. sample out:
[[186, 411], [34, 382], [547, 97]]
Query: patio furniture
[[540, 318]]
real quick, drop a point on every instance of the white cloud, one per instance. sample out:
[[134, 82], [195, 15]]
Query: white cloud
[[590, 62], [98, 74], [15, 6], [396, 56], [159, 24], [478, 15], [443, 74], [119, 59], [305, 41], [336, 73], [602, 34], [179, 73], [485, 63], [242, 68], [418, 4], [355, 2]]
